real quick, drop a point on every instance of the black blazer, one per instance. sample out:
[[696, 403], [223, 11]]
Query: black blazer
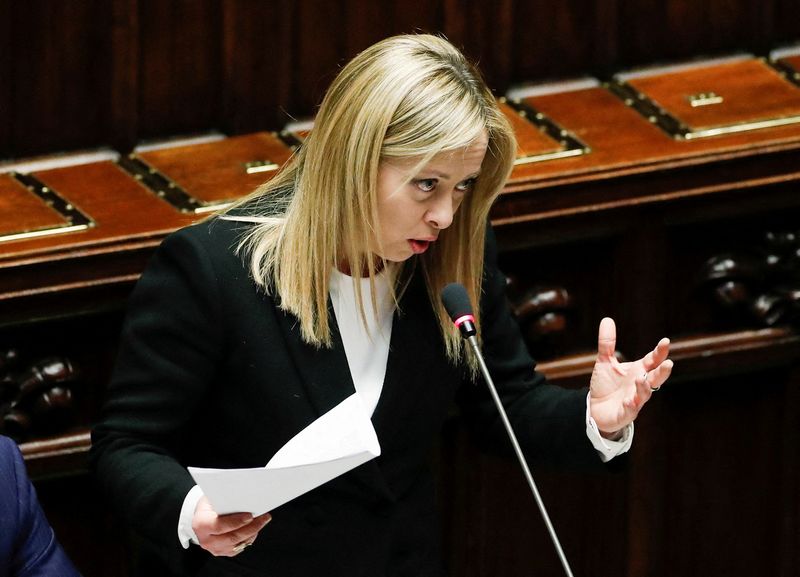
[[212, 373]]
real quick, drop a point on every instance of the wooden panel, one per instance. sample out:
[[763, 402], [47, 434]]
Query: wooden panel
[[257, 64], [787, 495], [327, 35], [658, 30], [540, 265], [484, 40], [144, 69], [100, 547], [6, 75], [703, 479], [368, 22], [558, 39], [784, 22], [89, 187], [596, 116], [624, 228], [365, 23], [318, 52], [124, 74], [530, 140], [764, 95], [21, 210], [180, 66], [64, 453], [492, 524], [793, 62], [698, 299], [495, 527], [216, 171], [59, 71]]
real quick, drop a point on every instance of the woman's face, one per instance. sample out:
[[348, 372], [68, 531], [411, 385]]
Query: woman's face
[[412, 214]]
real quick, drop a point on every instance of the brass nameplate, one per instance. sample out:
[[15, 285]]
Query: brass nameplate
[[704, 99], [257, 166]]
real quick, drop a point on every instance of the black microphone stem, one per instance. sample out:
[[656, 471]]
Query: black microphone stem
[[474, 342]]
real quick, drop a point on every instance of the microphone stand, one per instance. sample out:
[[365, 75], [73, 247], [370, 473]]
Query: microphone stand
[[474, 342]]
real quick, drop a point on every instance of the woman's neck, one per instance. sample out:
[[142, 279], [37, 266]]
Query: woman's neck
[[345, 268]]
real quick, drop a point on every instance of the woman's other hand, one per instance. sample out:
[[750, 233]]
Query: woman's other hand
[[225, 535]]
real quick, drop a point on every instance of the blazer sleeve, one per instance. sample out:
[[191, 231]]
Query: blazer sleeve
[[28, 547], [170, 349], [549, 421]]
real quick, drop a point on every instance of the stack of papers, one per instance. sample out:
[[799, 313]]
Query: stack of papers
[[340, 440]]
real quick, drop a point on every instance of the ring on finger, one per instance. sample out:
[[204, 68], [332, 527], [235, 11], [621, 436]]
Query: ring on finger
[[644, 381], [241, 547]]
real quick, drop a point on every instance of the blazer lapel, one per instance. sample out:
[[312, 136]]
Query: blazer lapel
[[327, 379], [413, 341], [324, 371]]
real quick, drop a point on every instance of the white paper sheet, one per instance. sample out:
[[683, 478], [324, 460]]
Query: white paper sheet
[[340, 440]]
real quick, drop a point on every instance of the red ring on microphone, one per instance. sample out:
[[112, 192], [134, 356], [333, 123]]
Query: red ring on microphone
[[462, 319]]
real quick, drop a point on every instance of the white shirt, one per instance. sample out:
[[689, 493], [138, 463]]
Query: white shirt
[[366, 348], [367, 351]]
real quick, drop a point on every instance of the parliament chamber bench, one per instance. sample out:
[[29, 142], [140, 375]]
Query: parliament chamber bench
[[668, 199]]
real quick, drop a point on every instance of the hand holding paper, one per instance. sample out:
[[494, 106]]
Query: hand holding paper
[[340, 440]]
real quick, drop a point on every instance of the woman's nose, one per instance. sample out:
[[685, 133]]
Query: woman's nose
[[440, 214]]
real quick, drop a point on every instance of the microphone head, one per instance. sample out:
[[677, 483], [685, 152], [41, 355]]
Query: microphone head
[[456, 303]]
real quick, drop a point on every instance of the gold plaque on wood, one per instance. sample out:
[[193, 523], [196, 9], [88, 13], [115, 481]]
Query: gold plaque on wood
[[36, 210], [256, 166], [715, 99], [705, 99], [201, 178]]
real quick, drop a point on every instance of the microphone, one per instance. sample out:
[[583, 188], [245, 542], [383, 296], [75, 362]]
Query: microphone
[[456, 302]]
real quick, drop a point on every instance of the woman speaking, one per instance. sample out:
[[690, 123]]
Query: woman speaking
[[324, 283]]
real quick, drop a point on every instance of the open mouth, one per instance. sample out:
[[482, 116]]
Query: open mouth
[[419, 246]]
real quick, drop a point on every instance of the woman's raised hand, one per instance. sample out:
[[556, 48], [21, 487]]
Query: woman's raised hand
[[620, 390]]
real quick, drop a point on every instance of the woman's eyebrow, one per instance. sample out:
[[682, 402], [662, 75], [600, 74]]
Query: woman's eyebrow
[[444, 175], [435, 173]]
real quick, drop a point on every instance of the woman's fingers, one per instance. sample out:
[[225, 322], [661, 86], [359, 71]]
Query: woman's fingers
[[207, 522], [658, 376], [232, 543], [643, 390], [651, 381], [657, 356], [225, 535], [238, 540], [229, 523], [646, 384], [606, 338]]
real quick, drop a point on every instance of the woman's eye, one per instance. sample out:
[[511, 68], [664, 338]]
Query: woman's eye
[[426, 184], [466, 185]]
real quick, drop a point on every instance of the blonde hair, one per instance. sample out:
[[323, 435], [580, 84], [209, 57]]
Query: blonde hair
[[411, 96]]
